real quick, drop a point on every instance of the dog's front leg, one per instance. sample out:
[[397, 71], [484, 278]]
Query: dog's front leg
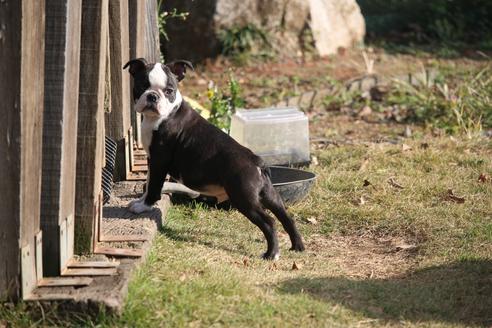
[[155, 180]]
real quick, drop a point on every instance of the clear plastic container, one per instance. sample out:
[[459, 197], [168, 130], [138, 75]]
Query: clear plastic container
[[279, 135]]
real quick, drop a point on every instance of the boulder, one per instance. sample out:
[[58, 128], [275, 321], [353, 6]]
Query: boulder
[[334, 24]]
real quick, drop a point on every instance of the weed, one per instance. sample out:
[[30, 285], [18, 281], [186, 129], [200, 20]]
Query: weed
[[224, 104], [242, 42], [457, 102], [163, 17]]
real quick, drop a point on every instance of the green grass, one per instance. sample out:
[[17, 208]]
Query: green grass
[[204, 268]]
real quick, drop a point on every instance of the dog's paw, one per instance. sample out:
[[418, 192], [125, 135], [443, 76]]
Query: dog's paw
[[271, 257], [298, 247], [133, 202], [139, 206]]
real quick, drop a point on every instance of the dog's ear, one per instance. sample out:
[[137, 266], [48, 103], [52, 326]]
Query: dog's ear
[[178, 67], [136, 65]]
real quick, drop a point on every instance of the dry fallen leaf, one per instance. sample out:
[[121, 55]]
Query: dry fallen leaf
[[408, 132], [363, 166], [365, 111], [295, 266], [312, 220], [314, 161], [182, 277], [405, 147], [405, 247], [483, 178], [246, 262], [392, 182], [450, 196]]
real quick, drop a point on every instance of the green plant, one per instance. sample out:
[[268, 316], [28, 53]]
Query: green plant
[[224, 103], [455, 101], [244, 41], [457, 106], [163, 17]]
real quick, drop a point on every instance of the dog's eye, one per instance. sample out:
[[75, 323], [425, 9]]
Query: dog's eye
[[168, 91]]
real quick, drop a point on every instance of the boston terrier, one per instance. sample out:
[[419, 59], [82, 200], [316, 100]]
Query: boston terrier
[[181, 143]]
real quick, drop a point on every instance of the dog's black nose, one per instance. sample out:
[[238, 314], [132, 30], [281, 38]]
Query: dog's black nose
[[151, 97]]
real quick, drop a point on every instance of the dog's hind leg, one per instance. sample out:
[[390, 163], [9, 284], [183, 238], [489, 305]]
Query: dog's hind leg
[[243, 195], [262, 220], [270, 198]]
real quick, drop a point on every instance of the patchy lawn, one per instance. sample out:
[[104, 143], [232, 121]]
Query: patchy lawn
[[387, 245], [398, 232], [394, 253]]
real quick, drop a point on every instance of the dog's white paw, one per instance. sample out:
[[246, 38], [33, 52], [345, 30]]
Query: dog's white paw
[[275, 257], [139, 206], [133, 202]]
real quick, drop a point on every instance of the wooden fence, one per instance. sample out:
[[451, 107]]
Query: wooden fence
[[63, 90]]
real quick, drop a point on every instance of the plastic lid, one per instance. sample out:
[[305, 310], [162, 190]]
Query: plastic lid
[[269, 114]]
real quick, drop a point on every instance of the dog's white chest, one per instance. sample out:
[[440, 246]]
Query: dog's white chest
[[149, 125]]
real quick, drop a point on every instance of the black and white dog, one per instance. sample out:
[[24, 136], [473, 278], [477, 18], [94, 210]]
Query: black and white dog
[[181, 143]]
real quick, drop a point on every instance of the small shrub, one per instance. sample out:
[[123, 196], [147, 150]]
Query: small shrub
[[243, 42], [223, 104], [163, 17], [457, 102]]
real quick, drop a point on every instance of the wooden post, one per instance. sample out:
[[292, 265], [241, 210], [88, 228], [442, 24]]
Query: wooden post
[[137, 50], [118, 120], [90, 132], [152, 42], [61, 82], [144, 42], [22, 69]]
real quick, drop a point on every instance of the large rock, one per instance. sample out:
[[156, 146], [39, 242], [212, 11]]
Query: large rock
[[335, 24]]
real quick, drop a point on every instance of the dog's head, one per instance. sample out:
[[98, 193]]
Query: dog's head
[[155, 87]]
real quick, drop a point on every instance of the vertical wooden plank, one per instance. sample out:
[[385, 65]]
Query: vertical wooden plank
[[137, 25], [118, 120], [152, 43], [144, 42], [22, 69], [10, 63], [90, 131], [63, 19]]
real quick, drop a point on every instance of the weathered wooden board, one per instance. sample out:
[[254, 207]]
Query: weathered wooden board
[[61, 88], [93, 264], [152, 44], [109, 238], [89, 272], [65, 281], [90, 130], [118, 120], [21, 69], [126, 252]]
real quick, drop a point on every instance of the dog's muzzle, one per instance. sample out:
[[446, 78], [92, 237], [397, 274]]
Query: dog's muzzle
[[153, 97]]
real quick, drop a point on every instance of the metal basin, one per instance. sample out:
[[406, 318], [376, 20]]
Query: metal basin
[[292, 184]]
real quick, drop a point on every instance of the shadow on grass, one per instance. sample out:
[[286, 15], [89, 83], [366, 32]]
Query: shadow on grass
[[460, 292], [204, 239]]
